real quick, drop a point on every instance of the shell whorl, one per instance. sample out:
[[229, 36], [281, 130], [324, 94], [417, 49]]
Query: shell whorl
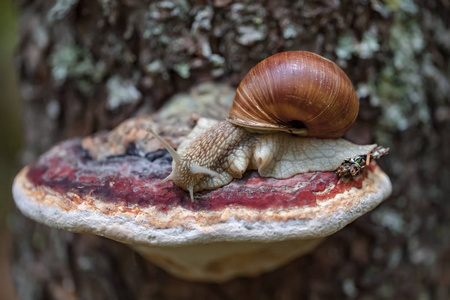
[[298, 92]]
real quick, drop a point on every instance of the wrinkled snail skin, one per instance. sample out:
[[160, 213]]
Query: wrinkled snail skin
[[224, 150], [292, 92]]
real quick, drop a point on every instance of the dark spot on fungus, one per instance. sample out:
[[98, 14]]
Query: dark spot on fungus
[[161, 154]]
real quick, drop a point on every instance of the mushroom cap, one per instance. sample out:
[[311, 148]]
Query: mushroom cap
[[111, 185], [122, 198]]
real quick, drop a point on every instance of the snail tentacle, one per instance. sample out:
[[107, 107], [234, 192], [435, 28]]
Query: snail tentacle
[[168, 177], [175, 156], [191, 192]]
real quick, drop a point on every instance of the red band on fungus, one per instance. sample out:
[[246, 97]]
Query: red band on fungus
[[131, 181]]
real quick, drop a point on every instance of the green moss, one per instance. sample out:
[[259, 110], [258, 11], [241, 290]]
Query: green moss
[[218, 63], [348, 45], [390, 219], [400, 86], [250, 34], [169, 9], [70, 62], [121, 92], [393, 5], [183, 69], [106, 5], [63, 62], [154, 67], [258, 20], [153, 31], [60, 9], [290, 32], [369, 45]]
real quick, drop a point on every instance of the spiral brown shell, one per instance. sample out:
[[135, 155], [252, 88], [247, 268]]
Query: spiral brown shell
[[298, 92]]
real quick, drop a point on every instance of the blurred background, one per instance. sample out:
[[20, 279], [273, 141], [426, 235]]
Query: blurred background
[[10, 134], [81, 60]]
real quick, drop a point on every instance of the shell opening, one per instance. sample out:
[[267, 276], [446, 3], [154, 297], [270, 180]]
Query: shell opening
[[296, 124], [297, 127]]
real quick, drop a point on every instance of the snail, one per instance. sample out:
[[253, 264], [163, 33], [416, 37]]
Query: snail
[[288, 115]]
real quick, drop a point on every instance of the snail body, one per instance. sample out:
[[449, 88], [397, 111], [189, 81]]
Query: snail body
[[296, 92], [216, 152]]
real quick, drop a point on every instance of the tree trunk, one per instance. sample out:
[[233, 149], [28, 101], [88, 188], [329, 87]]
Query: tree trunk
[[85, 66]]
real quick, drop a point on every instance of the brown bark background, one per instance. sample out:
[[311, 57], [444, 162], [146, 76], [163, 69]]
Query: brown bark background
[[85, 66]]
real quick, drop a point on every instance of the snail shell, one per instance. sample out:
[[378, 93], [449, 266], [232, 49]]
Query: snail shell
[[298, 92]]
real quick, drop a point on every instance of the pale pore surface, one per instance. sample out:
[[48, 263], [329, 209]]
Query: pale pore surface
[[231, 150]]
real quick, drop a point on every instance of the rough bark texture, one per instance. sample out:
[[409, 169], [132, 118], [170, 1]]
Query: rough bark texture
[[87, 65]]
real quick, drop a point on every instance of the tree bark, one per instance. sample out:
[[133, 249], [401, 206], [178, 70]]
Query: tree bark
[[85, 66]]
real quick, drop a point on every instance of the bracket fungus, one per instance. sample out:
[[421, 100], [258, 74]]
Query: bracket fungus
[[250, 226], [112, 184]]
